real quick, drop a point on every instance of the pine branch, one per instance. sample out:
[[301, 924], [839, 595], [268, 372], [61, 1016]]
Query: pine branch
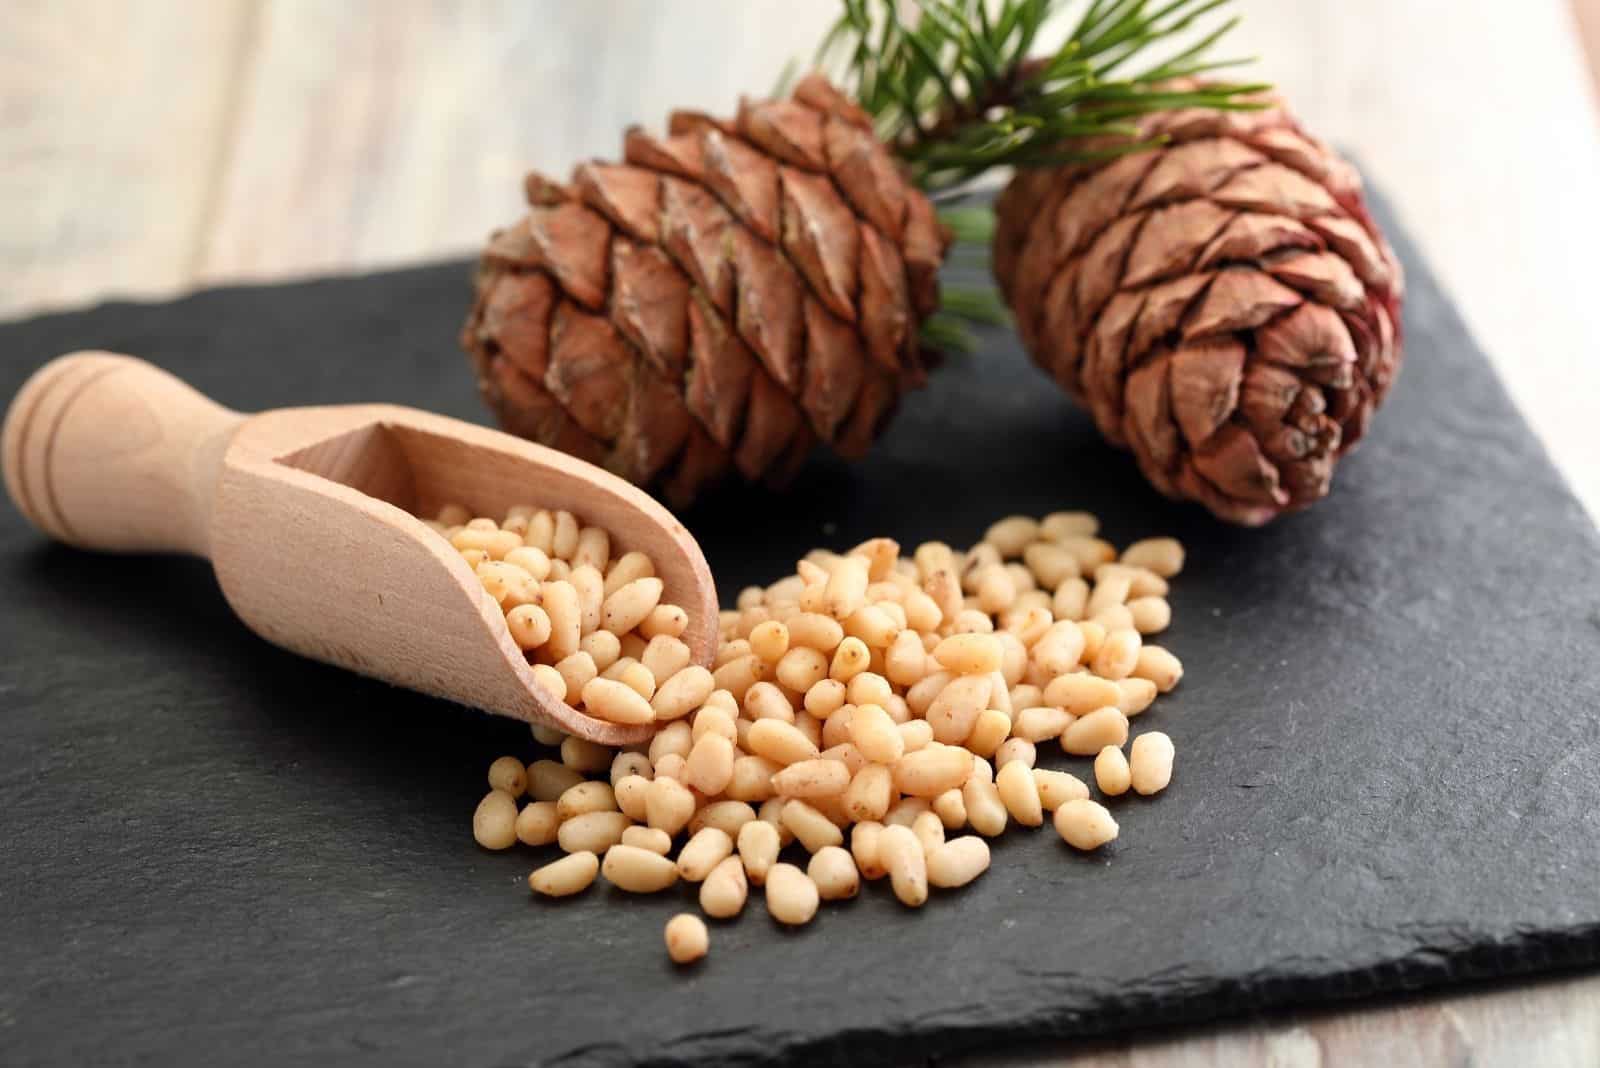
[[956, 90]]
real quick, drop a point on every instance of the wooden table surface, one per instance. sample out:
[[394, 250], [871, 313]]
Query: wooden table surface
[[154, 147]]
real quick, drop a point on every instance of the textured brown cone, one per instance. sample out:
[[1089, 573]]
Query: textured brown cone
[[725, 297], [1223, 304]]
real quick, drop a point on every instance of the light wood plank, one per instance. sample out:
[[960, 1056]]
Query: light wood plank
[[113, 122]]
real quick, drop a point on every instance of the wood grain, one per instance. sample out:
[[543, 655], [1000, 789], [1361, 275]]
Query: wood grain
[[147, 148]]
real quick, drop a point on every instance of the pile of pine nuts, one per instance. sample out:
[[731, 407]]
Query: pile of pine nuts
[[594, 629], [870, 708]]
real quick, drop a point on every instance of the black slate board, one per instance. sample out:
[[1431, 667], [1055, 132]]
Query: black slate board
[[1388, 773]]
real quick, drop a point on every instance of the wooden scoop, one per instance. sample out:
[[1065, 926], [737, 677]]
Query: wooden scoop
[[309, 516]]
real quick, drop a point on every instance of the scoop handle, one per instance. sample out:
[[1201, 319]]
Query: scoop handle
[[108, 452]]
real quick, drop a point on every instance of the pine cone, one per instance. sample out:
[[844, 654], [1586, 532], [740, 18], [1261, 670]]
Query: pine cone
[[1223, 304], [726, 297]]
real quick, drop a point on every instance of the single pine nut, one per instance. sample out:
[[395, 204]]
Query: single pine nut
[[752, 779], [813, 630], [723, 894], [905, 662], [708, 848], [1051, 565], [847, 754], [738, 675], [686, 937], [1137, 695], [811, 827], [1118, 655], [1151, 615], [603, 647], [551, 680], [590, 585], [569, 875], [801, 668], [1085, 824], [931, 770], [791, 895], [494, 544], [1012, 534], [548, 780], [1111, 772], [1057, 787], [865, 838], [1020, 793], [876, 735], [683, 692], [1040, 722], [825, 698], [915, 734], [616, 702], [958, 861], [929, 829], [1058, 525], [1070, 600], [626, 568], [541, 531], [1094, 636], [665, 656], [494, 823], [726, 816], [1159, 666], [577, 671], [951, 810], [656, 841], [594, 831], [537, 823], [1059, 649], [870, 793], [780, 742], [901, 854], [869, 688], [1112, 590], [1151, 763], [638, 871], [1025, 695], [593, 796], [709, 766], [1114, 617], [560, 602], [765, 700], [1092, 733], [593, 549], [630, 604], [986, 813], [955, 710], [1015, 751], [769, 641], [920, 696], [988, 732], [585, 756], [874, 625], [1081, 694], [529, 625], [811, 779], [508, 774], [846, 590], [630, 792], [1164, 556], [969, 654], [668, 804], [758, 843], [849, 660], [1090, 552], [674, 738], [668, 620], [672, 767], [834, 873]]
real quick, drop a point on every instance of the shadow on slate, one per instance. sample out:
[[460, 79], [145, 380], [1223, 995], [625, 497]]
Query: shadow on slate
[[1386, 778]]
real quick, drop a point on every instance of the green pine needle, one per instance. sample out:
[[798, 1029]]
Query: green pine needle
[[956, 91]]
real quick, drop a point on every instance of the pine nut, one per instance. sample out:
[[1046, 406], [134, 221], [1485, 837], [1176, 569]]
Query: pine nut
[[769, 641], [709, 766], [1111, 772], [1092, 733], [1151, 615], [1079, 695], [726, 816], [1058, 525], [811, 779], [969, 654], [846, 590], [529, 626], [682, 693], [865, 838], [672, 767], [590, 586], [708, 848], [1059, 649], [564, 542], [541, 531], [836, 728], [560, 602], [1164, 556], [876, 735], [1012, 534], [920, 696], [758, 843], [738, 675], [780, 742], [551, 680], [626, 568], [687, 939], [668, 620], [723, 894], [1094, 636], [932, 770], [629, 605], [958, 862], [1090, 552], [849, 660], [869, 688], [508, 774], [665, 656], [494, 824], [1071, 599], [603, 647], [901, 854], [576, 671], [986, 813], [847, 754], [676, 738], [988, 732], [1015, 751], [1118, 655], [638, 871], [1115, 617], [616, 702], [492, 543], [1151, 763], [562, 878], [812, 828], [951, 809], [791, 895], [592, 796], [953, 713], [1137, 695], [1109, 591], [870, 793], [594, 831], [752, 779], [873, 626], [1020, 793], [656, 841], [1085, 824], [548, 780], [1057, 787], [929, 829], [537, 823], [915, 734], [1041, 722], [765, 700], [668, 805], [801, 668], [833, 871], [1158, 665]]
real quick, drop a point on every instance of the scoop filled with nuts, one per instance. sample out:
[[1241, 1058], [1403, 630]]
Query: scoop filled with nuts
[[873, 715]]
